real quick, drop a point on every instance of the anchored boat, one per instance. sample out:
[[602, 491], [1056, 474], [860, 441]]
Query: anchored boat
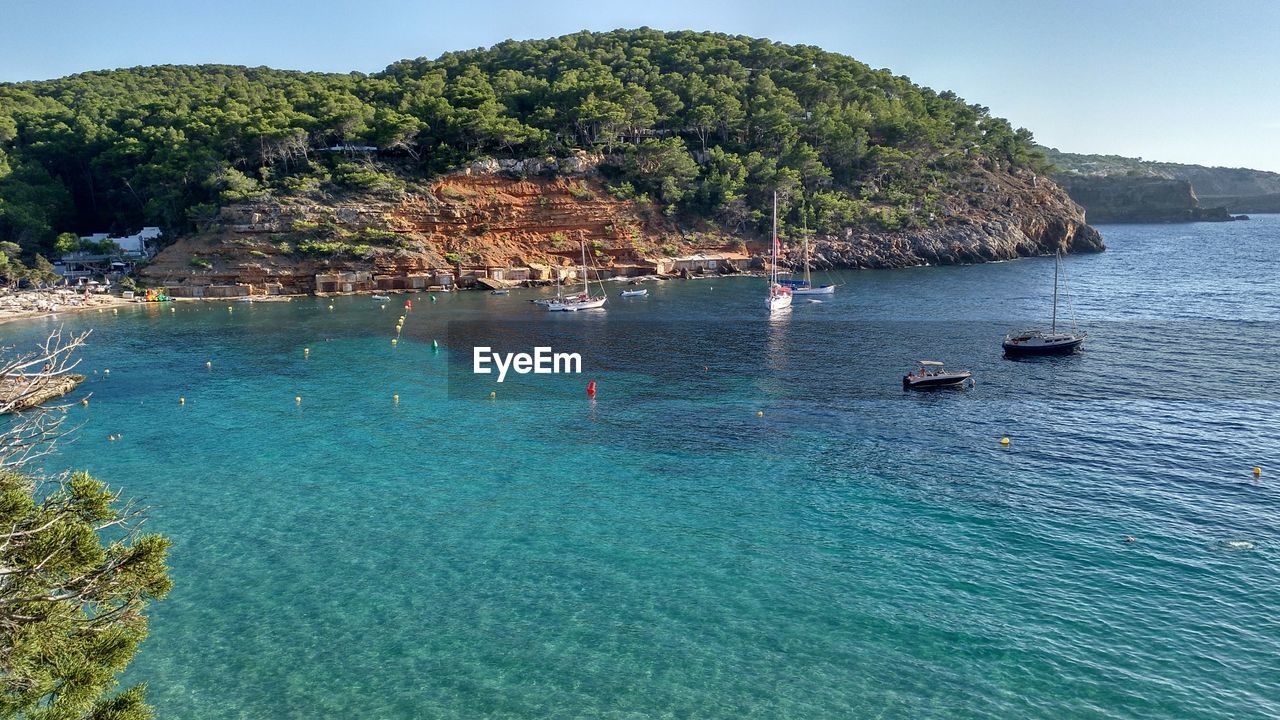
[[582, 301], [779, 295], [1039, 342], [805, 286]]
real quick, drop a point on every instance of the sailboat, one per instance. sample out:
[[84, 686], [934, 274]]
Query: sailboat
[[779, 295], [1039, 342], [583, 300], [805, 287]]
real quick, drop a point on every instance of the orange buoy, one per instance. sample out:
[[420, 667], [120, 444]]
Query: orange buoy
[[591, 389]]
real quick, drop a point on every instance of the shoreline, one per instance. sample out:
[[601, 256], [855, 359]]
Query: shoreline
[[10, 311]]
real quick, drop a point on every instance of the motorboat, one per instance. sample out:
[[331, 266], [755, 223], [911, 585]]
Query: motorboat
[[382, 298], [500, 291], [932, 374]]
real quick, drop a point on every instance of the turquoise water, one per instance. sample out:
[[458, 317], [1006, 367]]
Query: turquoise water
[[663, 551]]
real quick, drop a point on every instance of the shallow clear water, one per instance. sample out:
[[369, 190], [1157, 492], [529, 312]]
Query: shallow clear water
[[855, 552]]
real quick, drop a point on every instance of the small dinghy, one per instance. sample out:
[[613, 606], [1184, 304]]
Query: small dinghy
[[382, 298], [642, 292], [500, 291], [932, 374]]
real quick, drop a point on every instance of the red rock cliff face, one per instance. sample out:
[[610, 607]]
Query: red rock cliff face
[[485, 217], [464, 220]]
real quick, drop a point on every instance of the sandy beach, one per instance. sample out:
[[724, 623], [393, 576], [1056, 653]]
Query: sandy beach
[[30, 304]]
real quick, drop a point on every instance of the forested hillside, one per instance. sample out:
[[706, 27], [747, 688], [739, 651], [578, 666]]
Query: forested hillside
[[703, 125]]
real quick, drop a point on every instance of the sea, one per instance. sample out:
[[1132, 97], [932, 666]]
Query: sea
[[749, 519]]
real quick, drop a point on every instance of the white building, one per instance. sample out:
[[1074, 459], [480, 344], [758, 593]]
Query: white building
[[132, 245]]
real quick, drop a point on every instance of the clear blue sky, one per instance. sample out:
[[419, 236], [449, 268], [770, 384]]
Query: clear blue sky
[[1179, 81]]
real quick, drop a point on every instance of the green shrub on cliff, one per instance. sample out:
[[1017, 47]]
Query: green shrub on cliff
[[703, 123]]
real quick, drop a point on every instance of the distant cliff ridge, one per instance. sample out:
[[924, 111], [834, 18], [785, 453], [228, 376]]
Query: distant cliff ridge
[[1138, 199], [1221, 190]]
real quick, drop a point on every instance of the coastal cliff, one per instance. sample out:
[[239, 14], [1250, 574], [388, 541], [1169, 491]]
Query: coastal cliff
[[1138, 199], [497, 215]]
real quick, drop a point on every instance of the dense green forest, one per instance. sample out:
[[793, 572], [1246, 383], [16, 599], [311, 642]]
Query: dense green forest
[[703, 124]]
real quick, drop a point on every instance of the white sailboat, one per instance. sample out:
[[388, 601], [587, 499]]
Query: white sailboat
[[583, 300], [779, 295], [807, 288]]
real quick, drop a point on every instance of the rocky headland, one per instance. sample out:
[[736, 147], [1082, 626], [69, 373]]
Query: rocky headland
[[1139, 199]]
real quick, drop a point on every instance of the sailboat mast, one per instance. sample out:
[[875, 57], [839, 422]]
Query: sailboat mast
[[586, 287], [808, 278], [1057, 259], [774, 274]]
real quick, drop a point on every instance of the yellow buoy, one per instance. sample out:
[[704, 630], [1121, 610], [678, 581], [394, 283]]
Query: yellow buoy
[[759, 413], [492, 395], [182, 401], [229, 308], [330, 307], [106, 372], [1004, 441], [85, 402], [209, 364], [297, 399], [393, 341], [395, 398], [306, 351], [115, 311], [172, 310], [1257, 471]]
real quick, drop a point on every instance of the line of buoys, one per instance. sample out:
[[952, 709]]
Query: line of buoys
[[1004, 441]]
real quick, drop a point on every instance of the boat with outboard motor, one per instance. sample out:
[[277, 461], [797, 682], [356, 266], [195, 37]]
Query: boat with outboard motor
[[932, 374]]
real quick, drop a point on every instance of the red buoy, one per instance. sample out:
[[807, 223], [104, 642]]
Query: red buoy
[[591, 389], [408, 304]]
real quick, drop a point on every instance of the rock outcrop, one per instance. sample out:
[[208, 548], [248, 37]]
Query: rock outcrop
[[1138, 199], [16, 395], [492, 215]]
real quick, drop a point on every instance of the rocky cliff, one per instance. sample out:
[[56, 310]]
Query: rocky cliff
[[1138, 199], [502, 216]]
